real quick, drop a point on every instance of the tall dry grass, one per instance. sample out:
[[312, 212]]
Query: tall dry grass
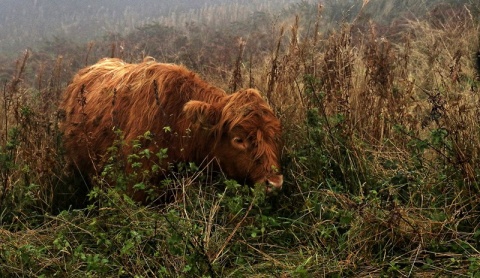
[[396, 120], [424, 82]]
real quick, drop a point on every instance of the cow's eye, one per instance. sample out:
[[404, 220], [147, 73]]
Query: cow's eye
[[239, 143]]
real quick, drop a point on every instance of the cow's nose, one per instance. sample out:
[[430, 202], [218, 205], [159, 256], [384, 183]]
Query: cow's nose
[[274, 183]]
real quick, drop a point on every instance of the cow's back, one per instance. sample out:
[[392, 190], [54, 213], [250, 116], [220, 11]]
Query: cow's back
[[113, 99]]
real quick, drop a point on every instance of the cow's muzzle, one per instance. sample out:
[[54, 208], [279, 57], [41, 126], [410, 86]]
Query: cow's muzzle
[[274, 183]]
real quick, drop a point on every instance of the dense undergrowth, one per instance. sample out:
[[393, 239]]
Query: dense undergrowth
[[381, 157]]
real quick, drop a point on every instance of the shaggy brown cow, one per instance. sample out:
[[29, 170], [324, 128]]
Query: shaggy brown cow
[[195, 121]]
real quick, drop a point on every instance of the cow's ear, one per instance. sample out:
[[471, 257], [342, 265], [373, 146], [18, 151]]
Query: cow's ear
[[201, 113]]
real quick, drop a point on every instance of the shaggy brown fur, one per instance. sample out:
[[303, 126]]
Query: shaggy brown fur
[[194, 120]]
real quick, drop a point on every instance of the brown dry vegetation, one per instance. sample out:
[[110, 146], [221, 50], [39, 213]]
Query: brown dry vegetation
[[381, 156]]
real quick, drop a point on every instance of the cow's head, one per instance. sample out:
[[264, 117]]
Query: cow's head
[[245, 136]]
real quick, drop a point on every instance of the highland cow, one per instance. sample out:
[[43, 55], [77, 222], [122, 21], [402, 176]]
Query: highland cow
[[195, 122]]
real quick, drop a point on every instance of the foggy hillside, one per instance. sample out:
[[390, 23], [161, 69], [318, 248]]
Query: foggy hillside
[[30, 23], [26, 23]]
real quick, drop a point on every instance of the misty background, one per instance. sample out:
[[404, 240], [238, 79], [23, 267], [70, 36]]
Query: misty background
[[25, 23], [29, 23]]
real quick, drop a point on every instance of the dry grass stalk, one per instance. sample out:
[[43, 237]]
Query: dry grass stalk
[[237, 81]]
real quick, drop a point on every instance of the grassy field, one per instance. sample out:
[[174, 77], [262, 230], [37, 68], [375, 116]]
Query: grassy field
[[381, 155]]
